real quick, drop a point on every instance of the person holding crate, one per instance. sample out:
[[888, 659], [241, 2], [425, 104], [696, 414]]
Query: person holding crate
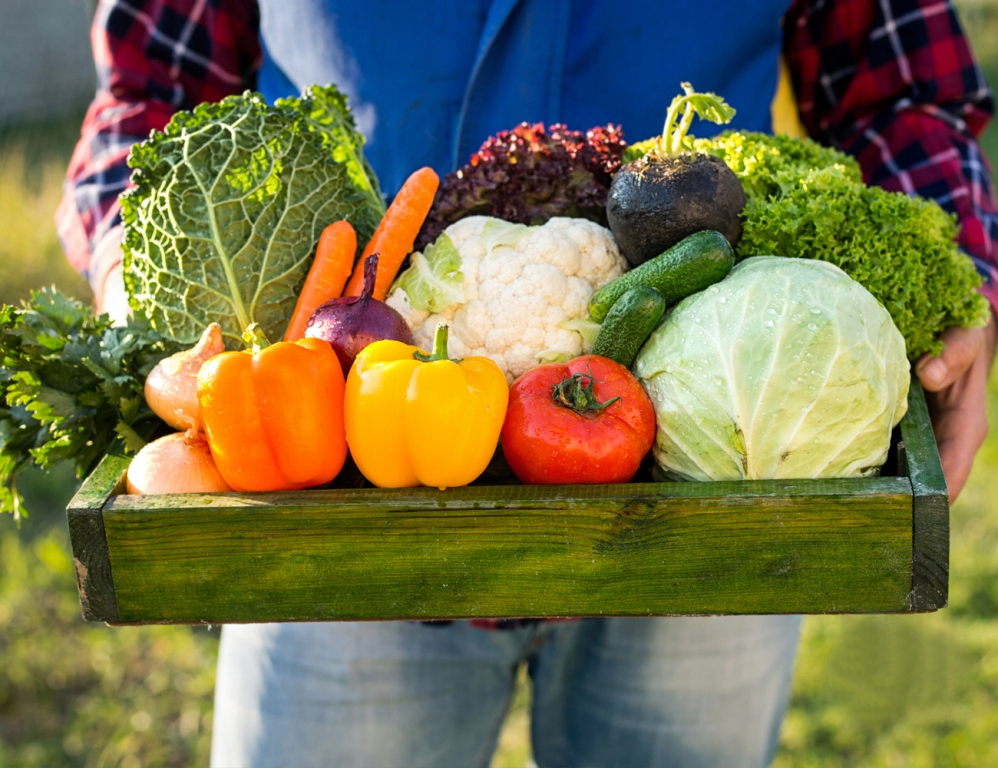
[[893, 83]]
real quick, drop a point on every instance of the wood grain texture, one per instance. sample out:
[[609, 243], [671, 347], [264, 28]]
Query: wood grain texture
[[930, 507], [628, 550], [864, 545], [86, 532]]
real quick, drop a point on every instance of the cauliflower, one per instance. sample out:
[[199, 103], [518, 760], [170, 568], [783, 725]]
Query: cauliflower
[[506, 290]]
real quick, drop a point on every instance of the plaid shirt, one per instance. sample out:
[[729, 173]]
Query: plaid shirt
[[892, 82]]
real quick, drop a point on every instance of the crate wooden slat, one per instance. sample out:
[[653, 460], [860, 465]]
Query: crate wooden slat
[[801, 546]]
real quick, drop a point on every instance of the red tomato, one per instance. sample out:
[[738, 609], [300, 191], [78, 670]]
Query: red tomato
[[585, 421]]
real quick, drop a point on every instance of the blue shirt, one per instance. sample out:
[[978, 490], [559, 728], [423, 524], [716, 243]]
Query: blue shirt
[[430, 80]]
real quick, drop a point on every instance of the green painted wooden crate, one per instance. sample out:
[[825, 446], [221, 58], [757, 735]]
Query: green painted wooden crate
[[799, 546]]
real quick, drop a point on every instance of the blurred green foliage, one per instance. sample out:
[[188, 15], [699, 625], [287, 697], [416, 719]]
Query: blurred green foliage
[[33, 160], [73, 694], [869, 691]]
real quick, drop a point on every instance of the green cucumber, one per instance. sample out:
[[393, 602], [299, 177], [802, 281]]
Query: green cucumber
[[691, 265], [628, 325]]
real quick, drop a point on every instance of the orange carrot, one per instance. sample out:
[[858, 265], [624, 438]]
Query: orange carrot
[[395, 235], [330, 270]]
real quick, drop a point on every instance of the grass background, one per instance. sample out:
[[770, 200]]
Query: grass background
[[869, 691]]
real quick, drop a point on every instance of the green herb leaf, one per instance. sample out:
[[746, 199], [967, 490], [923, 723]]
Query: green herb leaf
[[435, 280], [228, 205], [70, 384], [130, 439]]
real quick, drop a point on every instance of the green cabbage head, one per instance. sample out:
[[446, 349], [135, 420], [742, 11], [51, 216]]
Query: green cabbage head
[[788, 368]]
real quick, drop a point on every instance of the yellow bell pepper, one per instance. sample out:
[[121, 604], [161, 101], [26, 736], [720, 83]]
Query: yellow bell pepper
[[414, 418]]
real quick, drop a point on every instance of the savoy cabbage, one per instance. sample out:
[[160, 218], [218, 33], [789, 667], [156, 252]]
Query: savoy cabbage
[[228, 205]]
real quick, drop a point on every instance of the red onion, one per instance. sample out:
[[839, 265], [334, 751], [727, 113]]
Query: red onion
[[350, 323]]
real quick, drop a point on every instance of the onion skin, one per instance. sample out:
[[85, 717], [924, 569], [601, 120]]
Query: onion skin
[[351, 323], [171, 388], [177, 463]]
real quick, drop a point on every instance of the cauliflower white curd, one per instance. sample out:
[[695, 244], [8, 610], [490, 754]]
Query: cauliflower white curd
[[506, 290]]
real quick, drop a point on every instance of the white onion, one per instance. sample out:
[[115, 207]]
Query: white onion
[[177, 463], [172, 386]]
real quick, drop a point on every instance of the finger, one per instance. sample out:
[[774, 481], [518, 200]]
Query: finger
[[959, 420], [961, 348], [957, 457]]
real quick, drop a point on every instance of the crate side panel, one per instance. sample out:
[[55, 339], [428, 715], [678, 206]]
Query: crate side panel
[[505, 556], [930, 507]]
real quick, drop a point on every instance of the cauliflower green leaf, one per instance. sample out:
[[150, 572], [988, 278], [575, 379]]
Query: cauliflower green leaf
[[435, 280], [228, 205]]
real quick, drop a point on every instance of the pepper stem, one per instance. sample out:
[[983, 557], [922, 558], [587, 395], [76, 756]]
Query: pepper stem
[[439, 347], [255, 338], [370, 276], [578, 393]]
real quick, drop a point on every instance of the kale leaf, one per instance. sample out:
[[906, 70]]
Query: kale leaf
[[71, 384], [228, 205]]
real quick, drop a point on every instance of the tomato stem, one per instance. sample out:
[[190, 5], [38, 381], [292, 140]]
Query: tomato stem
[[578, 393]]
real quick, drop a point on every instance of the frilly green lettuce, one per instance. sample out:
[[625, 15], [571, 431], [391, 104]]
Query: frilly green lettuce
[[808, 201]]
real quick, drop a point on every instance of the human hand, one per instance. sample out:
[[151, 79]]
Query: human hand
[[110, 295], [956, 385]]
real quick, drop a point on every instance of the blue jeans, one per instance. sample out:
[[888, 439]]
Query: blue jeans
[[672, 692]]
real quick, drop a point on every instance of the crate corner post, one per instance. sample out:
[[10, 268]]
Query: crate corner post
[[86, 527], [930, 507]]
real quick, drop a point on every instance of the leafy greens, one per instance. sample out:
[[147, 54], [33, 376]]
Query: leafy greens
[[71, 384], [808, 201], [228, 205], [529, 175]]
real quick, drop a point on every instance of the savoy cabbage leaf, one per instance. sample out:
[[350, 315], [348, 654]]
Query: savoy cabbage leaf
[[228, 205], [327, 114]]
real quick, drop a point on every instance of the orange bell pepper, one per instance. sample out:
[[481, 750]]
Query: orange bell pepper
[[274, 415]]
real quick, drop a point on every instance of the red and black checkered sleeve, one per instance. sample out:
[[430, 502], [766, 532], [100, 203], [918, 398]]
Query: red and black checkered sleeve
[[895, 84], [153, 57]]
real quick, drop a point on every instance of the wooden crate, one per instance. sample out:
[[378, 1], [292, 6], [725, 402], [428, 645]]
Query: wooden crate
[[877, 545]]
